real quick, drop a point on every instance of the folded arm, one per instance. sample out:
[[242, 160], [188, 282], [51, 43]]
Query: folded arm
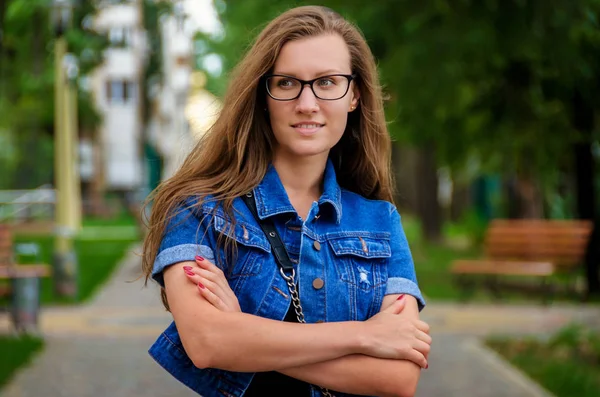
[[236, 341], [365, 375], [355, 373]]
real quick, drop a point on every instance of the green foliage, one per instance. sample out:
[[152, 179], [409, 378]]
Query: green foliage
[[27, 86], [16, 352], [497, 81], [567, 365]]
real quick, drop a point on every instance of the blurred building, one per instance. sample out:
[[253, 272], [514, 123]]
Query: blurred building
[[169, 131], [181, 108], [116, 87]]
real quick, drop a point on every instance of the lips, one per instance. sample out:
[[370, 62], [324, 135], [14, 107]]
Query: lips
[[305, 124]]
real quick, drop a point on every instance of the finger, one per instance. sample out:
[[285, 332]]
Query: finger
[[208, 265], [423, 326], [224, 290], [422, 347], [424, 337], [418, 358], [212, 298], [397, 306], [191, 274]]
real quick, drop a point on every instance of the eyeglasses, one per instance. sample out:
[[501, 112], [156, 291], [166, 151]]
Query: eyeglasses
[[329, 88]]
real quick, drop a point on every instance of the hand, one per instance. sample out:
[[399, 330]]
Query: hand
[[396, 337], [212, 285]]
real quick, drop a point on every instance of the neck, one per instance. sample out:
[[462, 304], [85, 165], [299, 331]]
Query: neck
[[302, 179]]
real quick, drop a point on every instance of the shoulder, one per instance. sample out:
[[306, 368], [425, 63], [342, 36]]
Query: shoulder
[[368, 213]]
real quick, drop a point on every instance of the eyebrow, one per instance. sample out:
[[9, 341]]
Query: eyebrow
[[323, 73]]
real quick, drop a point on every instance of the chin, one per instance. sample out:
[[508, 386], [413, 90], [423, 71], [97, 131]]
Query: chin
[[300, 151]]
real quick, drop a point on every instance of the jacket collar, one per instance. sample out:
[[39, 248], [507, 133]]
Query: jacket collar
[[272, 199]]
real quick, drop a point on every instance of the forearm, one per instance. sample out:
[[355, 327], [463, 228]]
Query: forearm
[[241, 342], [362, 375], [246, 343]]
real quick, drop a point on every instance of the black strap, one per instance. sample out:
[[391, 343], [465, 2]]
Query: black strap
[[281, 255]]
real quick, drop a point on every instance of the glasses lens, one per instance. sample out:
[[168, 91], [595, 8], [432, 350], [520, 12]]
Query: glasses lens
[[281, 87], [331, 87], [326, 87]]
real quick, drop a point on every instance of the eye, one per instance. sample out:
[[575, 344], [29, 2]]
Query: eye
[[286, 83], [326, 82]]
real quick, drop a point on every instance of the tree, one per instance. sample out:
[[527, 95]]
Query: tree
[[498, 83], [26, 83]]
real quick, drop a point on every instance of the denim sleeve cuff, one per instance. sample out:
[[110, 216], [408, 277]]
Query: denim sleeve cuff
[[176, 254], [399, 285]]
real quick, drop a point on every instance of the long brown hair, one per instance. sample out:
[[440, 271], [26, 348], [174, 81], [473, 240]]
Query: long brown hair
[[233, 156]]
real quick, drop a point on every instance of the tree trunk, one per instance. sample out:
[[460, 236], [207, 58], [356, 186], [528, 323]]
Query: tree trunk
[[531, 203], [428, 206], [583, 119], [461, 200], [403, 166]]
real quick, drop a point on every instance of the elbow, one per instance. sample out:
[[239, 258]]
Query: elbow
[[401, 387], [198, 349]]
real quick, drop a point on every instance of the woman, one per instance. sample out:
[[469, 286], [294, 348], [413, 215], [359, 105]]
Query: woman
[[302, 136]]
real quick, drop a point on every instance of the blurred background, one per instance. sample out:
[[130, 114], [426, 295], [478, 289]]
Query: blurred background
[[494, 111]]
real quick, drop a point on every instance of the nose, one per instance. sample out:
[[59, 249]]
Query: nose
[[307, 101]]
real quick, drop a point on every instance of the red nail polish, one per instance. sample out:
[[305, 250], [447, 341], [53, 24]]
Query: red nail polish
[[189, 272], [201, 286], [187, 268], [400, 297], [426, 366], [199, 258]]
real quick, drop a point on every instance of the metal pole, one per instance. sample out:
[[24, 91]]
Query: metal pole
[[73, 150], [65, 261]]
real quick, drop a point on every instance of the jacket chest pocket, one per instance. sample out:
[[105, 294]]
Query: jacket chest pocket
[[251, 246], [361, 260]]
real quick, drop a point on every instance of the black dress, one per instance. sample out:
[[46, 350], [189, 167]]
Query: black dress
[[271, 382]]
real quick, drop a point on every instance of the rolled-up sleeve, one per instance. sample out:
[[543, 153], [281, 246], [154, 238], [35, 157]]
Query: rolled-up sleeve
[[186, 235], [402, 278]]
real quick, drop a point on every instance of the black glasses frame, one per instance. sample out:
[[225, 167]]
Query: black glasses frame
[[350, 77]]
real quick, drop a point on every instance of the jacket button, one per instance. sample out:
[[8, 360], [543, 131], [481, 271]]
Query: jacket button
[[320, 321], [318, 283], [317, 245]]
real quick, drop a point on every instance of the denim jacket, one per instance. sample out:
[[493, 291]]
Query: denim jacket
[[349, 253]]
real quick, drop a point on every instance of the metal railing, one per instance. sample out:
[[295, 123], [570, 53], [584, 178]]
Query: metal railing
[[27, 205]]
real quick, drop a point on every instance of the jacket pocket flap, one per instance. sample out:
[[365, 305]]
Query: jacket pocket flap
[[362, 246], [244, 233]]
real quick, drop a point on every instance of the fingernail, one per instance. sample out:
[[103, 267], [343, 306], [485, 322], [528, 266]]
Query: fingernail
[[189, 272], [199, 258], [201, 286], [187, 268], [400, 297], [426, 365]]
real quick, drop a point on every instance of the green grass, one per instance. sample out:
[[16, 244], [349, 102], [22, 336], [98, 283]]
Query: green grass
[[16, 352], [98, 253], [96, 261], [566, 365]]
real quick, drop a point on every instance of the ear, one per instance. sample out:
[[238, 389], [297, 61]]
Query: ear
[[355, 97]]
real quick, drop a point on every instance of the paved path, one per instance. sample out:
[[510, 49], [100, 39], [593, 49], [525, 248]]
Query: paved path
[[100, 349]]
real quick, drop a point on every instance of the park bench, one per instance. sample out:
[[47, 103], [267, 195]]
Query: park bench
[[523, 248], [20, 284]]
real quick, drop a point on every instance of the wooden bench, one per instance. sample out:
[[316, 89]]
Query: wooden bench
[[20, 284], [526, 248]]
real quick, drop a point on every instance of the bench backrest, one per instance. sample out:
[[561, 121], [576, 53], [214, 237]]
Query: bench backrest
[[6, 248], [562, 242]]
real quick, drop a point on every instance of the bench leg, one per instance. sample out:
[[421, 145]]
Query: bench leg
[[25, 304], [491, 283], [546, 291], [466, 285]]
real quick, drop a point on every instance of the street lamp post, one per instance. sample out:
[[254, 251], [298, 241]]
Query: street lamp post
[[65, 259]]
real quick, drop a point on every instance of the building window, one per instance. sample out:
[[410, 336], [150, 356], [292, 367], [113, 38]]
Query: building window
[[119, 36], [120, 92]]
